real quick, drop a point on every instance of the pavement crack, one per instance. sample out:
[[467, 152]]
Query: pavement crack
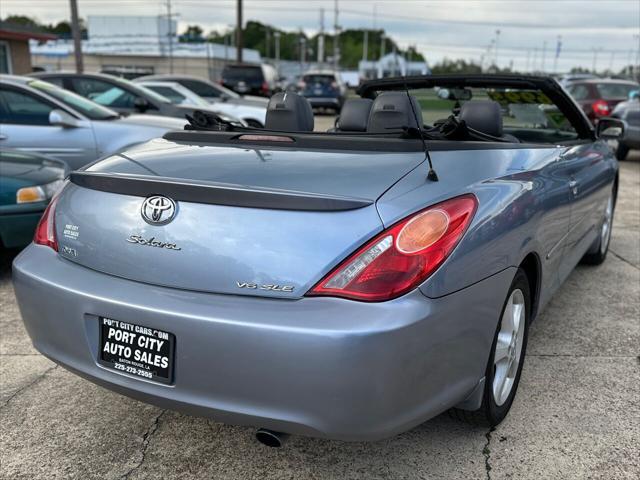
[[486, 451], [27, 386], [146, 439], [628, 262]]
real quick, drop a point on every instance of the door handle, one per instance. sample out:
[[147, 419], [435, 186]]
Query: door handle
[[573, 185]]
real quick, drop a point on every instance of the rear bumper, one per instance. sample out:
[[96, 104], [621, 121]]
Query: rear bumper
[[324, 101], [316, 366]]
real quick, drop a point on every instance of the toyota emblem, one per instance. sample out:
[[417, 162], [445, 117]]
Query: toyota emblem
[[158, 210]]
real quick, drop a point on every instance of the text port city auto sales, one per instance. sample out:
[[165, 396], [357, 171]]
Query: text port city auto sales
[[136, 340]]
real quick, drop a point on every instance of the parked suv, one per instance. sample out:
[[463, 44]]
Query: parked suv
[[250, 79], [323, 89]]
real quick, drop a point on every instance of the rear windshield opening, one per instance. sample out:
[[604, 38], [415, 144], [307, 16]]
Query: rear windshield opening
[[615, 91], [242, 73], [322, 79]]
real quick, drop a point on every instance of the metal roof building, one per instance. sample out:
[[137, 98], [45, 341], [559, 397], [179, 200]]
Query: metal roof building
[[139, 45]]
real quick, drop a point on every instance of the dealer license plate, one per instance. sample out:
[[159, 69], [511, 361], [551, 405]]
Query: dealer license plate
[[139, 351]]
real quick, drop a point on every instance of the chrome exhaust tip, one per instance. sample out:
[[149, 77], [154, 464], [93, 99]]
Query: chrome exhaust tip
[[270, 438]]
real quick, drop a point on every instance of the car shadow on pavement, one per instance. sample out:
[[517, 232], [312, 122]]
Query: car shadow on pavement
[[6, 259]]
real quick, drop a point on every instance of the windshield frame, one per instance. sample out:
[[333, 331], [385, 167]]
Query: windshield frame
[[547, 85]]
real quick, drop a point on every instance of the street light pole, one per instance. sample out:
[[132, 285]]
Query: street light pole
[[239, 31], [496, 48], [77, 36], [170, 35], [321, 38]]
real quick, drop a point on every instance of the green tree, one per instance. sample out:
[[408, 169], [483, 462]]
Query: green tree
[[455, 66], [193, 34]]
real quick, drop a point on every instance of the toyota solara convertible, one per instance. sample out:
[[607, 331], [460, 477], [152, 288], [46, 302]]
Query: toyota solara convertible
[[347, 284]]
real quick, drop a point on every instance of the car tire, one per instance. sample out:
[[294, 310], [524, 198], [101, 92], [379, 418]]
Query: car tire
[[622, 151], [503, 371], [598, 251]]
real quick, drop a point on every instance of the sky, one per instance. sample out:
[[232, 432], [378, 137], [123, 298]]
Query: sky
[[601, 32]]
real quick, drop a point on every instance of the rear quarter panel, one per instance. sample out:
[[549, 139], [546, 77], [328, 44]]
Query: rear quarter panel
[[524, 207]]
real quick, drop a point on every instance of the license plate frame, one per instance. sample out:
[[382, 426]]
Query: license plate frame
[[138, 338]]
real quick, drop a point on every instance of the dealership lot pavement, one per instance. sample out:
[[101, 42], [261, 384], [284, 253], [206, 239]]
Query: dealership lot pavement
[[577, 413]]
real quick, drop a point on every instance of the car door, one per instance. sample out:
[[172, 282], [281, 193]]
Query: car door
[[24, 125], [589, 171]]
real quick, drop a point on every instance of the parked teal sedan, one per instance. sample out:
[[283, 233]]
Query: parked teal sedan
[[27, 183]]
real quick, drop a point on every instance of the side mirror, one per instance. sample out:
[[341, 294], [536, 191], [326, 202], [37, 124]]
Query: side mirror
[[141, 104], [224, 97], [610, 128], [60, 118]]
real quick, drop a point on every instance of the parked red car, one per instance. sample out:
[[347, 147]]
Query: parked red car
[[598, 97]]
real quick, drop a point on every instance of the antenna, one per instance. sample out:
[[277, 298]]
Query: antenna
[[432, 175]]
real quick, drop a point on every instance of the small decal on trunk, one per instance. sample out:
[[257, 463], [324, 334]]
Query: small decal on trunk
[[270, 287], [72, 232]]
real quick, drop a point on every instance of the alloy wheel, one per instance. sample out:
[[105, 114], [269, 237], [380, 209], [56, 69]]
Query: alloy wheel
[[509, 347]]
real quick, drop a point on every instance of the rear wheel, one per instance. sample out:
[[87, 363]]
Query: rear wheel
[[506, 359], [598, 252], [622, 151]]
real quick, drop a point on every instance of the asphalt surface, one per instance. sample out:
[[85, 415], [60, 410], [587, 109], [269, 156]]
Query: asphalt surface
[[576, 415]]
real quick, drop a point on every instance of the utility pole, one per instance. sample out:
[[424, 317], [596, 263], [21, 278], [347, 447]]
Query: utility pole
[[321, 38], [276, 35], [365, 46], [555, 59], [170, 35], [303, 46], [383, 44], [595, 60], [267, 42], [336, 36], [528, 58], [544, 56], [77, 36], [613, 54], [239, 31]]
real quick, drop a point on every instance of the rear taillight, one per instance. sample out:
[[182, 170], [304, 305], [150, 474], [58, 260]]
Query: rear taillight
[[46, 229], [265, 87], [403, 256], [334, 85], [302, 85], [601, 108]]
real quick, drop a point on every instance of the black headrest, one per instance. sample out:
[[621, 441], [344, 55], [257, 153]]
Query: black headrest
[[392, 110], [354, 115], [289, 112], [483, 115]]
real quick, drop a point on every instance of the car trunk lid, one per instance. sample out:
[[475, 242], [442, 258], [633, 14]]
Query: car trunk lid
[[268, 222]]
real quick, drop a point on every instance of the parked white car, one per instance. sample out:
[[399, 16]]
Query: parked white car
[[39, 117], [254, 115]]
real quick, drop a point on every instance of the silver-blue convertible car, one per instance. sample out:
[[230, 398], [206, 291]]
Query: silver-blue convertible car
[[347, 284]]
